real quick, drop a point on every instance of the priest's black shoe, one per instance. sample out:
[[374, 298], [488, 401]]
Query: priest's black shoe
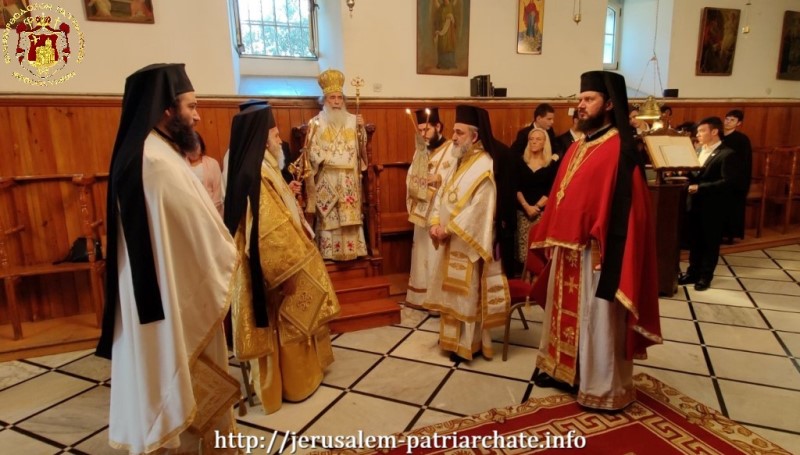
[[686, 278], [702, 284], [546, 381]]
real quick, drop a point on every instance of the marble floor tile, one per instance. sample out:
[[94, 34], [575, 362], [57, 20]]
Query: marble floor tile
[[776, 253], [73, 420], [41, 392], [726, 314], [292, 416], [790, 247], [14, 372], [520, 363], [431, 417], [403, 380], [411, 317], [348, 366], [674, 308], [742, 338], [356, 412], [722, 270], [518, 335], [740, 262], [676, 356], [783, 320], [748, 254], [680, 294], [701, 388], [720, 296], [679, 330], [380, 339], [470, 393], [532, 313], [727, 282], [787, 441], [792, 342], [423, 346], [98, 445], [430, 325], [543, 392], [90, 367], [761, 273], [56, 360], [19, 443], [383, 362], [263, 435], [789, 264], [743, 406], [777, 302], [756, 368]]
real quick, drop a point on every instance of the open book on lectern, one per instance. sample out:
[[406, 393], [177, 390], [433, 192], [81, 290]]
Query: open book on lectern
[[671, 151]]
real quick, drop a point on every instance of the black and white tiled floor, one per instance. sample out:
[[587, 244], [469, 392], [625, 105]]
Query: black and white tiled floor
[[734, 347]]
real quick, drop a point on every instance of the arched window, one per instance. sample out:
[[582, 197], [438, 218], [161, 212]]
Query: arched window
[[276, 28]]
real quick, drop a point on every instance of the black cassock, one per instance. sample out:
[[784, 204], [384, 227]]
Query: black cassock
[[740, 143]]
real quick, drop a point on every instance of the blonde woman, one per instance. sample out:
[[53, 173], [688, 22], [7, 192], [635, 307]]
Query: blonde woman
[[534, 178]]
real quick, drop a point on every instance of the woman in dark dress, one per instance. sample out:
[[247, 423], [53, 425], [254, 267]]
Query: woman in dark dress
[[535, 172]]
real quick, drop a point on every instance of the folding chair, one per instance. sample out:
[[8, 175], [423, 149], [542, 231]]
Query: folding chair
[[521, 290]]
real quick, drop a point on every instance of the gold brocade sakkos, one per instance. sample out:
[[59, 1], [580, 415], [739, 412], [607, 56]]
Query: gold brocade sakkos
[[295, 348]]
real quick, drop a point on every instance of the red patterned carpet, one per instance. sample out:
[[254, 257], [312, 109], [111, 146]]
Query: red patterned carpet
[[661, 421]]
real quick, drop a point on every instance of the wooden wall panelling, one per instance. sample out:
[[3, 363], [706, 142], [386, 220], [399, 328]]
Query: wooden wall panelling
[[792, 132], [76, 135], [20, 127], [398, 250], [8, 150]]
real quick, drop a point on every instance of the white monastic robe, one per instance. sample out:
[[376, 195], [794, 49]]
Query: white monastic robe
[[334, 189], [436, 164], [171, 376], [467, 285]]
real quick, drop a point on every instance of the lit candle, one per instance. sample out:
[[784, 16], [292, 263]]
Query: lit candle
[[428, 116], [411, 117]]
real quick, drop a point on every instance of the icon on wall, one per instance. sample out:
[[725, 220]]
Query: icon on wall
[[443, 37], [789, 56], [134, 11], [719, 28], [530, 26]]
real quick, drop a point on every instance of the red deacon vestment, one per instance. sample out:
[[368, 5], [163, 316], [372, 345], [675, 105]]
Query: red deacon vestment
[[578, 218]]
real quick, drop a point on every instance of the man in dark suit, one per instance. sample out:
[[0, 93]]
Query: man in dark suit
[[543, 117], [709, 203], [740, 143], [565, 140]]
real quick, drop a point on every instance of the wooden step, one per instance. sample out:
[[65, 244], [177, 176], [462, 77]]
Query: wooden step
[[366, 315], [348, 270], [361, 289]]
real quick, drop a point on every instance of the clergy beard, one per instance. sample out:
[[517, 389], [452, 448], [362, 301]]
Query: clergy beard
[[591, 123], [182, 133], [336, 117], [277, 152], [433, 140], [460, 150]]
